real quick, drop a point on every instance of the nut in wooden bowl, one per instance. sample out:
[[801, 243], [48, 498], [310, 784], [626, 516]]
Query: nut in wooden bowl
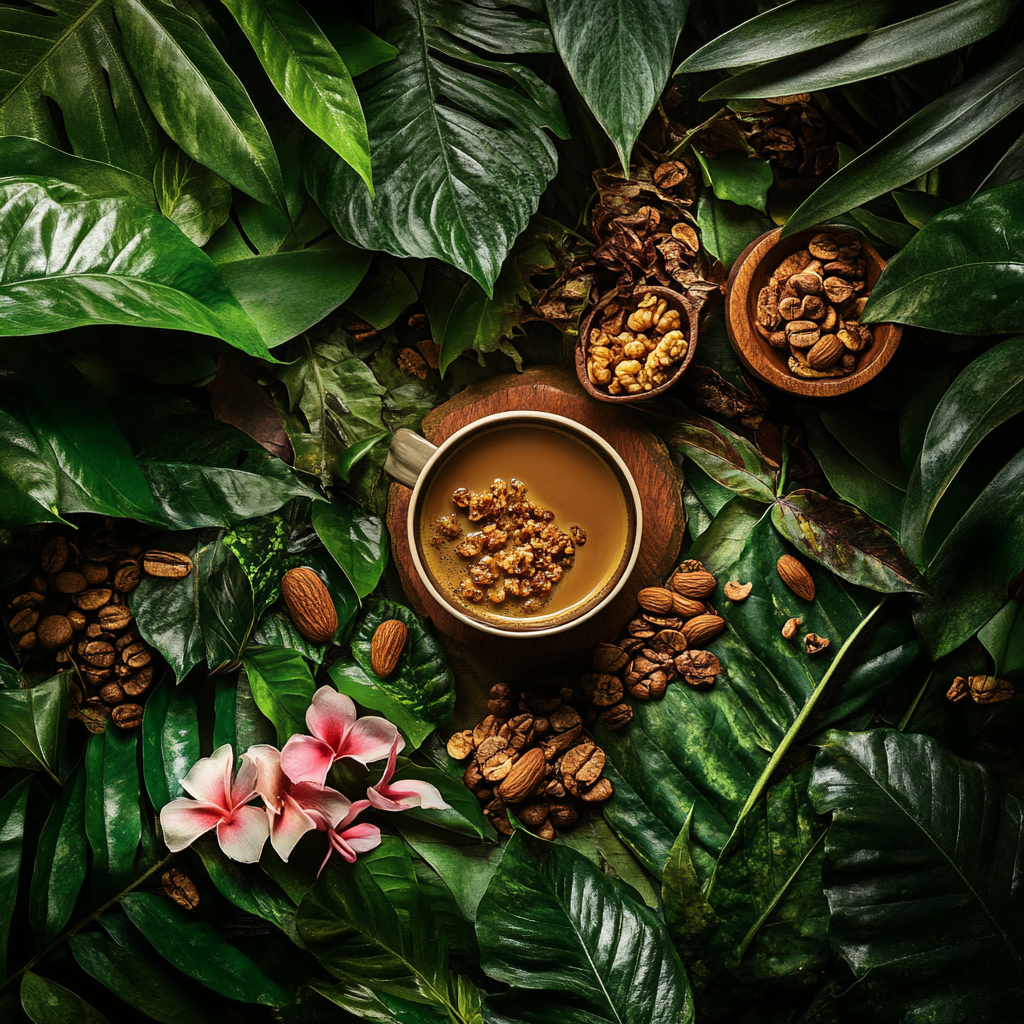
[[635, 348], [792, 307]]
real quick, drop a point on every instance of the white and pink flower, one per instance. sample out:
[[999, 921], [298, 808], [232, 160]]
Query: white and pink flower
[[400, 796]]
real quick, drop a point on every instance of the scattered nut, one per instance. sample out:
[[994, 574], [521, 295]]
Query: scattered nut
[[736, 591], [790, 628], [815, 644]]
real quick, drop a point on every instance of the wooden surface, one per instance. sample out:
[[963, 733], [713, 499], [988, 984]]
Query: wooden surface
[[750, 273], [688, 311], [479, 658]]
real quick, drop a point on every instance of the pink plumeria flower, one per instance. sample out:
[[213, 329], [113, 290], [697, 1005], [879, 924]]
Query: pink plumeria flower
[[400, 796], [337, 733], [350, 840], [293, 808], [215, 801]]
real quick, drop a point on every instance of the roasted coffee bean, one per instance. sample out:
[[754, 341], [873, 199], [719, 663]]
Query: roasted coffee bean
[[28, 641], [93, 599], [581, 767], [23, 620], [167, 564], [127, 716], [99, 654], [180, 888], [96, 676], [136, 655], [126, 639], [139, 683], [616, 717], [115, 617], [70, 582], [127, 576], [77, 619], [564, 718], [94, 572], [602, 688], [111, 693], [55, 631], [55, 554], [28, 600]]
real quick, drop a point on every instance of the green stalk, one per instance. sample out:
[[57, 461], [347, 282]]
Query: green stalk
[[905, 721], [782, 471]]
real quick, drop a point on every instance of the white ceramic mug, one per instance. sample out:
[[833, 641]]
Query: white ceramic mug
[[412, 460]]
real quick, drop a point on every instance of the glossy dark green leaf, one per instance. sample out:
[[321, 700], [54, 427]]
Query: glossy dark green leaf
[[113, 820], [919, 207], [721, 545], [284, 293], [348, 923], [282, 687], [924, 861], [337, 396], [357, 46], [1003, 638], [727, 229], [153, 991], [46, 1002], [463, 813], [197, 98], [356, 452], [251, 725], [967, 577], [845, 541], [260, 545], [170, 739], [33, 724], [789, 29], [383, 293], [893, 232], [309, 74], [881, 52], [456, 180], [356, 539], [422, 682], [62, 450], [942, 129], [363, 687], [190, 195], [975, 246], [726, 457], [276, 629], [12, 835], [197, 950], [60, 863], [987, 393], [635, 40], [873, 439], [72, 53], [551, 921], [96, 180], [738, 178]]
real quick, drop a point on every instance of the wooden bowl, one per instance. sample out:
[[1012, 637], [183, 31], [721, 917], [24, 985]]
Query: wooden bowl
[[688, 314], [750, 274]]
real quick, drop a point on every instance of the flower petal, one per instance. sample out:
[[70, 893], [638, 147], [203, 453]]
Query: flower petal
[[183, 821], [243, 837], [330, 716], [243, 789], [324, 805], [370, 739], [271, 782], [306, 759], [209, 779], [400, 796], [362, 838], [357, 808], [288, 827]]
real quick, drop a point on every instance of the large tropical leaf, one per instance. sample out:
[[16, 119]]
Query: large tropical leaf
[[942, 129], [12, 836], [635, 40], [33, 724], [551, 921], [170, 740], [70, 260], [460, 161], [973, 250], [190, 195], [923, 874]]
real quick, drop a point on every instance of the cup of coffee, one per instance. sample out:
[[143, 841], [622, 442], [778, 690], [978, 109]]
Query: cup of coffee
[[521, 523]]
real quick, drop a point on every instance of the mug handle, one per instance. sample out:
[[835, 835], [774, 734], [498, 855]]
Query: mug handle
[[407, 456]]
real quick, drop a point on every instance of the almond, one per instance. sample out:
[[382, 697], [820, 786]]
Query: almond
[[693, 584], [702, 628], [794, 574], [687, 607], [309, 604], [525, 778], [655, 599], [386, 647]]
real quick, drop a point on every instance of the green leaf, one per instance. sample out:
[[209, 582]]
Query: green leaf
[[459, 179], [191, 195], [942, 129], [12, 835], [309, 74], [987, 393], [924, 862], [197, 950], [1003, 638], [251, 725], [285, 293], [422, 682], [968, 575], [276, 629], [60, 863], [113, 819], [197, 98], [726, 457], [33, 724], [845, 541], [357, 540], [1009, 168], [872, 439], [282, 687], [635, 40], [463, 813], [882, 52], [974, 247], [721, 544], [46, 1002], [892, 232], [77, 261], [551, 921], [727, 229], [355, 453], [383, 293], [153, 991], [259, 545], [170, 740], [93, 178], [919, 207], [738, 178]]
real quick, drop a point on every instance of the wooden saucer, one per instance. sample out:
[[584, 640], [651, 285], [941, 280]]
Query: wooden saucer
[[547, 389]]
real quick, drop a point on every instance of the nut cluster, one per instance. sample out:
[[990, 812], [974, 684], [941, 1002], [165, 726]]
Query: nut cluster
[[981, 689], [636, 345], [812, 304], [74, 613], [533, 756]]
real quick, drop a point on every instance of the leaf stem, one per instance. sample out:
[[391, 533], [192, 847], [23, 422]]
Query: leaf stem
[[782, 471], [787, 741], [905, 721]]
